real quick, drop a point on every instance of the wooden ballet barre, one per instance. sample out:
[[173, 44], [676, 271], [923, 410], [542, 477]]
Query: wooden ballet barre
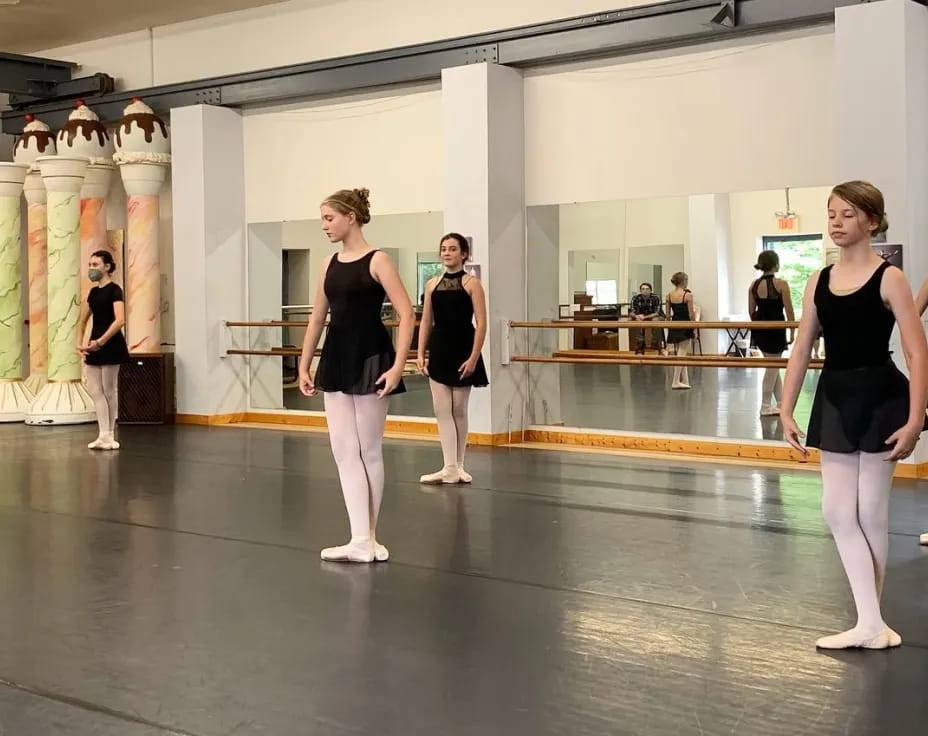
[[654, 324], [284, 352], [690, 361], [283, 323]]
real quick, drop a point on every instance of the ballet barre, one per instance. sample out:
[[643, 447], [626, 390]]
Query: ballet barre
[[690, 361], [286, 323], [664, 324]]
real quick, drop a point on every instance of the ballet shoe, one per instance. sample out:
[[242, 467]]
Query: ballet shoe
[[923, 539], [770, 411], [445, 476], [110, 445], [357, 550], [464, 475], [856, 639], [679, 385], [381, 553], [97, 444]]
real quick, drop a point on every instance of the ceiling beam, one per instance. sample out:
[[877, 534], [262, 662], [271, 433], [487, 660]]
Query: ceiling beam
[[600, 35]]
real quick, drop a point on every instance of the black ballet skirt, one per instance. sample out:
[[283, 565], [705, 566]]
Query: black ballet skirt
[[101, 300], [680, 312], [357, 349], [862, 398], [451, 340], [768, 309]]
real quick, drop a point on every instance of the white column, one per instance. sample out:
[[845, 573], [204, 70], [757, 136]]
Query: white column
[[882, 48], [709, 263], [485, 199], [209, 257]]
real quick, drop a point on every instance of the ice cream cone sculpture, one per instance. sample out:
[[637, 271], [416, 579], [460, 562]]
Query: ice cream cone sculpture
[[143, 156]]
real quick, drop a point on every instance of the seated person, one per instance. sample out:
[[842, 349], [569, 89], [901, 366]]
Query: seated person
[[646, 306]]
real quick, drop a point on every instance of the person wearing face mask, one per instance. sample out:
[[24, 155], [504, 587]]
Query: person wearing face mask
[[646, 306], [107, 348]]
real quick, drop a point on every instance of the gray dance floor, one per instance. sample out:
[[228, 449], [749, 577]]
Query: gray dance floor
[[175, 587]]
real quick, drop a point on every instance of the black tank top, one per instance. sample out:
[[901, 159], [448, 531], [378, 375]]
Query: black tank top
[[452, 306], [355, 297], [768, 308], [856, 326]]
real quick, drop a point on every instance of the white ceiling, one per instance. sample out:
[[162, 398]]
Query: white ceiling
[[34, 25]]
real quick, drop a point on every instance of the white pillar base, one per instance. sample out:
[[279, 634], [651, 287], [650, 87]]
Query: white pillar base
[[36, 382], [62, 403], [15, 400]]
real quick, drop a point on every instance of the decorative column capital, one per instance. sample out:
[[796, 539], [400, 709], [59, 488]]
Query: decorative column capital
[[63, 173], [144, 177], [12, 179], [98, 181], [35, 189]]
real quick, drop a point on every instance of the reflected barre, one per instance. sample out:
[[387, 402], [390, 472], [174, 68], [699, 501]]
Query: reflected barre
[[285, 323], [690, 361], [628, 324]]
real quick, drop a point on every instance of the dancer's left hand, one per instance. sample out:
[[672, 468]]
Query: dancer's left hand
[[390, 380], [468, 367], [904, 441]]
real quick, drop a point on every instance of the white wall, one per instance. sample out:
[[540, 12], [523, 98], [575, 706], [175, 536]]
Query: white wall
[[391, 144], [756, 116]]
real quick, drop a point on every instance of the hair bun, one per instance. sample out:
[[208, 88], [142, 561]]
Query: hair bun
[[364, 194], [883, 225]]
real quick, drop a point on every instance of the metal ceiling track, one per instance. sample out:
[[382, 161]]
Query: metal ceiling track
[[602, 35]]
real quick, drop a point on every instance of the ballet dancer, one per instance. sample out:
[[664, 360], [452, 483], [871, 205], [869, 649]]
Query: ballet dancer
[[769, 300], [680, 308], [921, 304], [359, 368], [107, 348], [865, 416], [452, 303]]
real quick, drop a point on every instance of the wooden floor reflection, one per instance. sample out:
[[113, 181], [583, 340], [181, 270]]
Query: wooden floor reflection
[[723, 402], [175, 588]]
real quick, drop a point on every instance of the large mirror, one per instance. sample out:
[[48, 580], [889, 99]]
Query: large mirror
[[610, 251]]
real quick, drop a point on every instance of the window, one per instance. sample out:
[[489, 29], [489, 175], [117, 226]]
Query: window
[[426, 270], [800, 257], [603, 292]]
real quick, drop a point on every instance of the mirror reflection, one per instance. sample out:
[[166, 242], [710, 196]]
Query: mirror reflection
[[611, 261]]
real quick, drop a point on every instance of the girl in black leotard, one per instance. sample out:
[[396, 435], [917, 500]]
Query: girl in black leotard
[[680, 339], [865, 415], [769, 300], [359, 368], [454, 364], [106, 349]]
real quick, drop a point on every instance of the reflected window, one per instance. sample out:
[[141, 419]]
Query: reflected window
[[800, 257], [426, 271], [603, 292]]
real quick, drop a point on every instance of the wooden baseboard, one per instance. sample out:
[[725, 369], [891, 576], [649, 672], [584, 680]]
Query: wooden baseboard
[[668, 447], [209, 420], [394, 426]]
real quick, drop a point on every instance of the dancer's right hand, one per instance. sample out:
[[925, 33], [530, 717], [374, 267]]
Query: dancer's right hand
[[307, 387], [422, 365], [792, 433]]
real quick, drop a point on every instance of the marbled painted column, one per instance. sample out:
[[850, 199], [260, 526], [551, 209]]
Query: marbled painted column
[[143, 181], [93, 216], [14, 396], [64, 400], [37, 228]]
